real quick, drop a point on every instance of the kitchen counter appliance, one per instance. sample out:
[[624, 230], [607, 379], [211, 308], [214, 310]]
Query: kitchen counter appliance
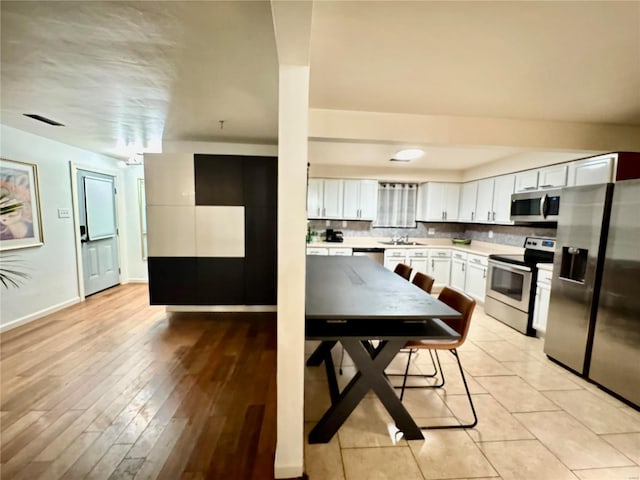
[[334, 235], [511, 284], [594, 312]]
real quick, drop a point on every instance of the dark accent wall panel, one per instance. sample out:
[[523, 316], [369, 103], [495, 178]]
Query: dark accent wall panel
[[260, 179], [220, 281], [172, 281], [219, 180], [261, 274]]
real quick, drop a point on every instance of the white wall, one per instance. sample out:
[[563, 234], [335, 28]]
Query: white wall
[[136, 266], [54, 277]]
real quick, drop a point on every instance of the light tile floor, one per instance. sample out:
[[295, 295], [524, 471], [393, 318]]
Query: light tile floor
[[536, 420]]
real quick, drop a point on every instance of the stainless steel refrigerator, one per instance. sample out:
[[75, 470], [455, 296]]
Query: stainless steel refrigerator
[[594, 312]]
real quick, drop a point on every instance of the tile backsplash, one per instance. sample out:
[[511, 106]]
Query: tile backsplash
[[502, 234]]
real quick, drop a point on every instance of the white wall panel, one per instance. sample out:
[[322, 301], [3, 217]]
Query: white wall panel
[[173, 231], [219, 231], [170, 179]]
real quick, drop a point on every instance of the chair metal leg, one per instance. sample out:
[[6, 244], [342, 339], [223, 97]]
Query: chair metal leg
[[437, 368], [341, 360], [466, 387]]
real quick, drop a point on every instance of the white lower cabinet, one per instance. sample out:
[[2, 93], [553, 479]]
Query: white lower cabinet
[[440, 266], [394, 256], [543, 295], [344, 251], [341, 251], [317, 251], [458, 270], [476, 281], [418, 260]]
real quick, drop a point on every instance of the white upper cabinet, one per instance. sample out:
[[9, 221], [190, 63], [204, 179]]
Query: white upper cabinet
[[339, 199], [527, 181], [315, 194], [351, 207], [552, 177], [360, 199], [484, 204], [333, 197], [468, 196], [502, 190], [591, 171], [368, 199], [324, 198], [438, 201]]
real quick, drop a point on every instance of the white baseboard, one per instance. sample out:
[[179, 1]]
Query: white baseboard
[[222, 308], [287, 471], [137, 280], [37, 315]]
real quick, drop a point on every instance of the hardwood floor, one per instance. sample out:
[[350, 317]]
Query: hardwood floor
[[113, 388]]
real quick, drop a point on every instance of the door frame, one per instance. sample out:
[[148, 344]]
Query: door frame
[[74, 167]]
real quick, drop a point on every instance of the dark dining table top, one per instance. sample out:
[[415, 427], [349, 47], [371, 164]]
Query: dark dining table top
[[358, 288]]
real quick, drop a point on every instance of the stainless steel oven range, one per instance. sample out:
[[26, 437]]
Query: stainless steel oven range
[[511, 284]]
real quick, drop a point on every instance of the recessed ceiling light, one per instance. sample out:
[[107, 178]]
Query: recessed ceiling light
[[407, 155], [40, 118]]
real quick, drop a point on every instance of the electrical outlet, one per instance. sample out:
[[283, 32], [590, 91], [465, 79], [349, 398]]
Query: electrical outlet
[[490, 233], [328, 224], [431, 231], [344, 224], [64, 213]]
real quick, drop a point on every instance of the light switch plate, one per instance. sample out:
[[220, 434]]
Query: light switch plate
[[64, 213], [328, 224]]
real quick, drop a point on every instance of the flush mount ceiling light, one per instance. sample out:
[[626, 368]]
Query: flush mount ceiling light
[[407, 155]]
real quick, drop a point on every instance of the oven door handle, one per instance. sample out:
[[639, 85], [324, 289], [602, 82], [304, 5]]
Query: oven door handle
[[509, 266]]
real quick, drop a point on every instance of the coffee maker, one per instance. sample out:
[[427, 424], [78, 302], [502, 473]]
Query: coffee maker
[[334, 235]]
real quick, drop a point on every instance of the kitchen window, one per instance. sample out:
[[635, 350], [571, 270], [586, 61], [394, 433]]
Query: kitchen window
[[396, 205]]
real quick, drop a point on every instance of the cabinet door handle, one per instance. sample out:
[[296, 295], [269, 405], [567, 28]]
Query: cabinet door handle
[[445, 215], [484, 273], [442, 216], [463, 267], [318, 214], [529, 188], [473, 215], [546, 186], [324, 212], [494, 216], [488, 216], [432, 265]]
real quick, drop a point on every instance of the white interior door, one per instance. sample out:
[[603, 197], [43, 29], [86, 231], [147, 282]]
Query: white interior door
[[98, 231]]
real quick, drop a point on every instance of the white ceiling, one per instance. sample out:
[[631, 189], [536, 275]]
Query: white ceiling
[[123, 76]]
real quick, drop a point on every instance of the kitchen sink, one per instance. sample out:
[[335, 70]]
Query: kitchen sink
[[403, 243]]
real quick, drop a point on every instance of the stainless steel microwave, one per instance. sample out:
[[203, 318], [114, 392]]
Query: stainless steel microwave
[[542, 206]]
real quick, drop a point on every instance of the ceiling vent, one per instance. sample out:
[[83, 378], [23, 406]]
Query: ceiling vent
[[40, 118]]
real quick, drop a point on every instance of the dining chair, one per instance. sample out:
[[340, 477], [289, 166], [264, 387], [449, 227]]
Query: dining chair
[[464, 304], [424, 281], [403, 270]]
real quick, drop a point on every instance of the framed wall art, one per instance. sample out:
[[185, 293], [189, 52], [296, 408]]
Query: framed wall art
[[20, 220]]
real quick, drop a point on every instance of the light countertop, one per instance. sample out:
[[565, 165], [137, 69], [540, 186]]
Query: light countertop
[[476, 247]]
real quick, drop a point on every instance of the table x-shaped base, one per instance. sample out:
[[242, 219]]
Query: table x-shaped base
[[371, 365]]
